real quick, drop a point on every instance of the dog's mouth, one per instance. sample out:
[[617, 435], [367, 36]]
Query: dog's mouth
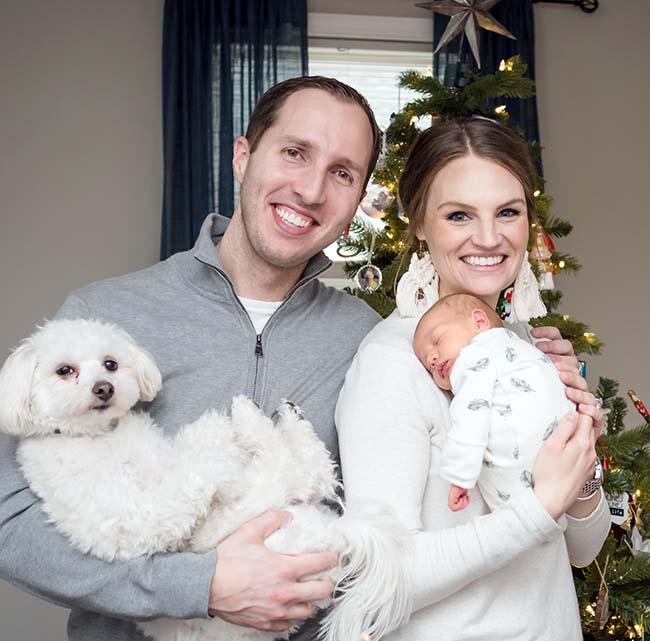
[[101, 407]]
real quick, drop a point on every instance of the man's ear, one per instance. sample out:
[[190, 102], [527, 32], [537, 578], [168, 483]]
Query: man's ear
[[240, 155], [480, 319]]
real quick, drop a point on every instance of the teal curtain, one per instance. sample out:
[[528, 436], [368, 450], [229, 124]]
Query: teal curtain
[[219, 56]]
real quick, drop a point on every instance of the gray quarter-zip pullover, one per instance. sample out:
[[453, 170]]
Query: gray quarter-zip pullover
[[185, 312]]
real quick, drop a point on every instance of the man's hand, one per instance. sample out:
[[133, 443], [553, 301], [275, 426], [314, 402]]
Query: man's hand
[[258, 588]]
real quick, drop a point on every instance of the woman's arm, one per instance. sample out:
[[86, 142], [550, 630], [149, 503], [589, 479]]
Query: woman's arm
[[387, 413], [588, 522]]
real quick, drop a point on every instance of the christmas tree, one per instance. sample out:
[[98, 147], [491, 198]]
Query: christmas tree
[[439, 102], [614, 591]]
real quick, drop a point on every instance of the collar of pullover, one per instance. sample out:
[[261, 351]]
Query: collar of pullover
[[204, 254]]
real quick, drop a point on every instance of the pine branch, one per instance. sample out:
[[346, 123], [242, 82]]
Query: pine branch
[[624, 447], [552, 299], [584, 342], [571, 263], [557, 227]]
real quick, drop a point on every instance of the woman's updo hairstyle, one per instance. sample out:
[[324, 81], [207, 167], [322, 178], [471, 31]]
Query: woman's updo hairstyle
[[446, 141]]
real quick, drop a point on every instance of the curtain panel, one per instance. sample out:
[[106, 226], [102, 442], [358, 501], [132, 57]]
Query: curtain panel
[[517, 17], [219, 56]]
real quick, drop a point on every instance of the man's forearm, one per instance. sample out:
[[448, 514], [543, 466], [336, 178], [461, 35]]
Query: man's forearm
[[34, 556]]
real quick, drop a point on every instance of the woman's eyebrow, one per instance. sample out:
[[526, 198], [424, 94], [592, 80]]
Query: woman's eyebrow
[[459, 205], [454, 203], [514, 201]]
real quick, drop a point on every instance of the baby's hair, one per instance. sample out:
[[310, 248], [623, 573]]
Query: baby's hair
[[464, 305]]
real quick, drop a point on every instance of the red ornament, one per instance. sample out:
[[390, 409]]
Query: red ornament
[[548, 241]]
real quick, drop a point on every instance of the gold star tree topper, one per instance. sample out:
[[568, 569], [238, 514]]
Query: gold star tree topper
[[465, 16]]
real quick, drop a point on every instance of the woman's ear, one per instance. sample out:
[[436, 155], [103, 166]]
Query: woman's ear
[[240, 154], [480, 319], [16, 378]]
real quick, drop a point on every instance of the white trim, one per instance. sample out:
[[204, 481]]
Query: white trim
[[354, 27]]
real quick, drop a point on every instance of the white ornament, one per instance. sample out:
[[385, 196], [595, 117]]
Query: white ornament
[[417, 289], [618, 507], [639, 544]]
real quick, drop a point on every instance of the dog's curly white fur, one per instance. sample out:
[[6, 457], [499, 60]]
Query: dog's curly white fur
[[118, 488]]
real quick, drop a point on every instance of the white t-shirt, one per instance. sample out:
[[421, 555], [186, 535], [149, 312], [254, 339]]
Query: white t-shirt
[[477, 576], [259, 311]]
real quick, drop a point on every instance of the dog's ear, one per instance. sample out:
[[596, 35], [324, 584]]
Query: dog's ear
[[149, 378], [15, 389]]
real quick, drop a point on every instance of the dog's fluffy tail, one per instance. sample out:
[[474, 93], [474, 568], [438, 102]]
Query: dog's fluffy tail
[[373, 596]]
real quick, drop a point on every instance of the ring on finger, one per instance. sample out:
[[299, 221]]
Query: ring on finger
[[599, 403]]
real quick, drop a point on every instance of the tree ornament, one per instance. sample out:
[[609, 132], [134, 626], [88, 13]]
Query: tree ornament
[[640, 546], [466, 15], [369, 277], [639, 406], [541, 252], [602, 602], [619, 507], [377, 201]]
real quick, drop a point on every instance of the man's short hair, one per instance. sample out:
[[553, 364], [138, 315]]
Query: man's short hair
[[266, 110]]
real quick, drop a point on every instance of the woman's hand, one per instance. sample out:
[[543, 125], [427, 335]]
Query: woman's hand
[[565, 463], [560, 351]]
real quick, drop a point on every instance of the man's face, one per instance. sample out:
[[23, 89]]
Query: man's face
[[303, 183]]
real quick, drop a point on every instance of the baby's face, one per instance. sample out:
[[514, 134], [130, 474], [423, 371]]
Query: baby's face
[[438, 340]]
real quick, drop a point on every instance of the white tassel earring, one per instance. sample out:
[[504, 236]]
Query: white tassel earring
[[417, 289], [526, 301]]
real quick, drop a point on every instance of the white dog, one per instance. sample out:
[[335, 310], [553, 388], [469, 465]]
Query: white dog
[[117, 488]]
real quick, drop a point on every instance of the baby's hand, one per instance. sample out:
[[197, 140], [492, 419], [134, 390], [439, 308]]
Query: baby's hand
[[458, 498]]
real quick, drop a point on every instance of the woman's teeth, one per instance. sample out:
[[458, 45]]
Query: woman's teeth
[[293, 219], [483, 260]]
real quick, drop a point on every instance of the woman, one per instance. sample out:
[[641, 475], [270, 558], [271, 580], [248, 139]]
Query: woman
[[467, 189]]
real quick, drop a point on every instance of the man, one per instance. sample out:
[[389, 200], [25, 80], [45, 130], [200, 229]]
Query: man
[[240, 313]]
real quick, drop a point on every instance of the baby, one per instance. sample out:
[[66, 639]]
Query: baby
[[508, 398]]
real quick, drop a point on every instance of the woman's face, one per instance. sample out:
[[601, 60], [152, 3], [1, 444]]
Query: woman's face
[[476, 227]]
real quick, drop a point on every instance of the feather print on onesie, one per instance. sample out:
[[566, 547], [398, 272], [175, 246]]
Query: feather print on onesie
[[508, 398]]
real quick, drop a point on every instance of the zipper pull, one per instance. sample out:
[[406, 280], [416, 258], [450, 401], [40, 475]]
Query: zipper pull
[[258, 346]]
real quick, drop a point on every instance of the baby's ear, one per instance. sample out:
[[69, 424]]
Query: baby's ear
[[481, 320], [16, 378], [147, 372]]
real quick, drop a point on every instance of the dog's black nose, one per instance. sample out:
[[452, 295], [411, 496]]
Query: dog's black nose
[[103, 390]]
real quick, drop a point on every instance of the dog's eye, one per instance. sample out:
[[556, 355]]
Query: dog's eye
[[110, 365], [64, 370]]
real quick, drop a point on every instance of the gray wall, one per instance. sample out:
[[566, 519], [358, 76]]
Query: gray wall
[[81, 170], [594, 100], [80, 176]]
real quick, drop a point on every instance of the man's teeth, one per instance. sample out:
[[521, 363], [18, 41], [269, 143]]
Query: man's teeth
[[483, 260], [292, 219]]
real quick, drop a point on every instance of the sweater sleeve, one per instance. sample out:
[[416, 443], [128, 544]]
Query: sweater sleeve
[[385, 428], [585, 536], [35, 557]]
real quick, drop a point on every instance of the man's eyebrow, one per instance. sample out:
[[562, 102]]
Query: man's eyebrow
[[306, 144]]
